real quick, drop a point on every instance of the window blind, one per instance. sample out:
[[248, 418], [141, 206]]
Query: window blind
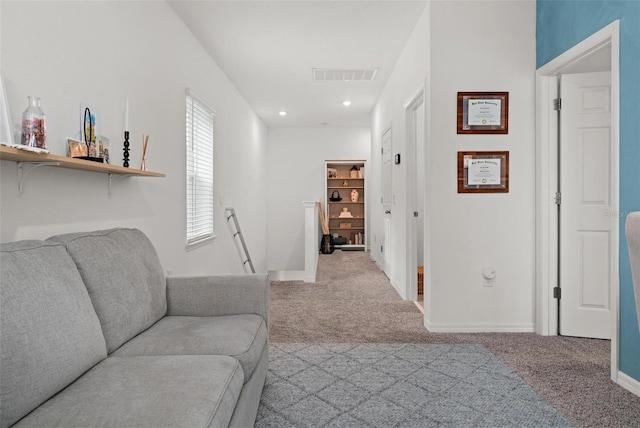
[[200, 189]]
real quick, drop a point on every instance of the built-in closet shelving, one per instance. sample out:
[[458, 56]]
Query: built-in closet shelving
[[345, 178]]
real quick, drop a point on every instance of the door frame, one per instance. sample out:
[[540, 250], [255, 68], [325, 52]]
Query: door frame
[[411, 106], [547, 180], [384, 262]]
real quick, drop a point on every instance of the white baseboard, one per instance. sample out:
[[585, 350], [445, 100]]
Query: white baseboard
[[372, 257], [629, 383], [393, 284], [287, 275], [479, 328]]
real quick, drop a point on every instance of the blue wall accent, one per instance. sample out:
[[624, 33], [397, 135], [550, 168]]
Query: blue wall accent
[[561, 24]]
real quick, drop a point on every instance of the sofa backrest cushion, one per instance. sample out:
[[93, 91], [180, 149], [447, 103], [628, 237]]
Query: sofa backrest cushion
[[49, 331], [122, 272]]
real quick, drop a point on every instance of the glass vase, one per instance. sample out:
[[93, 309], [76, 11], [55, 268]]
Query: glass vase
[[34, 125]]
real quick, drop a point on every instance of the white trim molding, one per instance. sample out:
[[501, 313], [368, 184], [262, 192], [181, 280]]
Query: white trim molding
[[547, 178], [479, 328], [629, 383], [287, 275], [411, 106]]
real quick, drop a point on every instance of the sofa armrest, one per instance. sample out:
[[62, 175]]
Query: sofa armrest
[[219, 295]]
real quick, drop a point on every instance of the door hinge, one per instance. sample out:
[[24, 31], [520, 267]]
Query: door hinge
[[557, 293], [557, 198], [381, 150], [381, 247], [557, 104]]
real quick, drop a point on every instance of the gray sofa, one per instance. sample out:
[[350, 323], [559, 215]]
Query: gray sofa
[[93, 334]]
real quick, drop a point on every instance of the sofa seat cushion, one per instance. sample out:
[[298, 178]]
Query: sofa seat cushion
[[168, 391], [241, 336]]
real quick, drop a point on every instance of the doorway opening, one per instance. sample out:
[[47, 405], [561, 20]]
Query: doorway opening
[[416, 183], [598, 53], [387, 196]]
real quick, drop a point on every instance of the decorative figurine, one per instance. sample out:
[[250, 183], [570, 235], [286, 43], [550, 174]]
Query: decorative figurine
[[125, 160], [345, 213]]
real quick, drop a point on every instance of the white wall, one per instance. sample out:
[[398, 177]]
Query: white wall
[[491, 47], [467, 46], [102, 53], [296, 173]]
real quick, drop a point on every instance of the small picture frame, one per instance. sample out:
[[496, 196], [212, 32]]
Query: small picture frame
[[103, 148], [6, 133], [483, 112], [483, 172], [76, 148]]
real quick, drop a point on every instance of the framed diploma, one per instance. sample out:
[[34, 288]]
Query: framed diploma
[[483, 172], [483, 112]]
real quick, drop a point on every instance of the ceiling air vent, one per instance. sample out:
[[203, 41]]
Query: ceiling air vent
[[344, 75]]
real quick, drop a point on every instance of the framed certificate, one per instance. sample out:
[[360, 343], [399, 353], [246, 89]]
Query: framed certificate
[[483, 172], [483, 112]]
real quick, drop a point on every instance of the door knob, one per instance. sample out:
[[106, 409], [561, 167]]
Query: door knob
[[387, 212]]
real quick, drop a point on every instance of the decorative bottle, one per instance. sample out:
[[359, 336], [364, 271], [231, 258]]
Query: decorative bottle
[[34, 125]]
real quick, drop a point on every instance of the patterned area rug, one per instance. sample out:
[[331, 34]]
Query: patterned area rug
[[397, 385]]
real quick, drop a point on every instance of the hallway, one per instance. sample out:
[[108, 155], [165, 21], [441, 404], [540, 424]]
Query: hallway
[[353, 301]]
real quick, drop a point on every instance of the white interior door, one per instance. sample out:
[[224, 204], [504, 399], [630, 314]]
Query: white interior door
[[586, 182], [386, 200]]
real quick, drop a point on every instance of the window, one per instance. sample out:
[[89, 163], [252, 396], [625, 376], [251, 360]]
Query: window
[[199, 145]]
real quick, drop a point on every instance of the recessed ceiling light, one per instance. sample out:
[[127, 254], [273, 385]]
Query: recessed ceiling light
[[346, 103], [283, 113]]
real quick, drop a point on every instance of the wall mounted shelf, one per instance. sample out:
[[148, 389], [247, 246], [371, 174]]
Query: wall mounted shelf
[[35, 160]]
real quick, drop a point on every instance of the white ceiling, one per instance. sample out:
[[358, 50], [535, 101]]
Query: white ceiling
[[269, 48]]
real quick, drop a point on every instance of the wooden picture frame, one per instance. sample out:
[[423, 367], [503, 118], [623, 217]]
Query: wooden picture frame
[[483, 172], [483, 112]]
